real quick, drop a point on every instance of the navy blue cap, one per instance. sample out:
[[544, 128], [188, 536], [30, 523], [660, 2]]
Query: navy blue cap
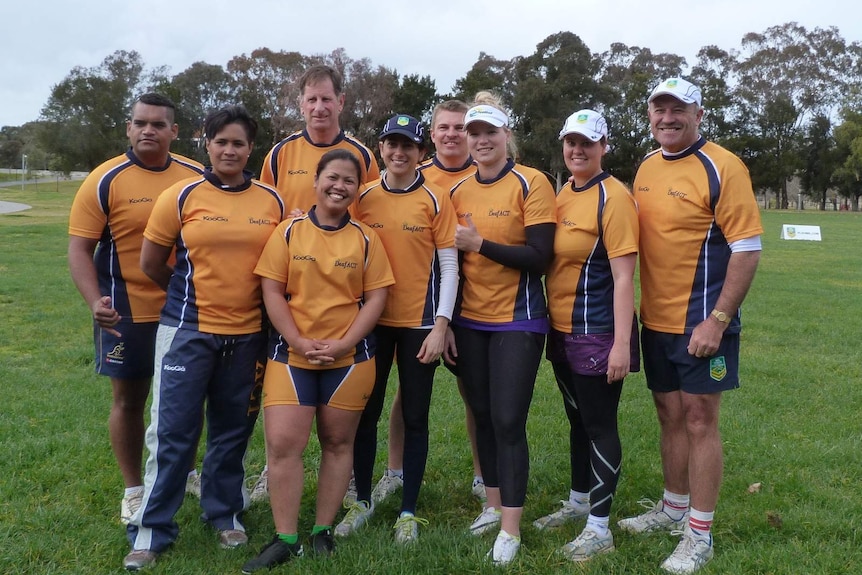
[[404, 125]]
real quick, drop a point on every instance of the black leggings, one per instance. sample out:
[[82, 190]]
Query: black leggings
[[594, 440], [416, 381], [499, 369]]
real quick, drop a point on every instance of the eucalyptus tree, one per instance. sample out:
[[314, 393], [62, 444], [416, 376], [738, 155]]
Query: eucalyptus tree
[[84, 119], [556, 80], [786, 75], [630, 73], [267, 85]]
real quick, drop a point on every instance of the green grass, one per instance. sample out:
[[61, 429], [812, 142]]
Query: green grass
[[793, 427]]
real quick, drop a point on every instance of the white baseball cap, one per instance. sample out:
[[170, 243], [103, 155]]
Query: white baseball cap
[[487, 114], [587, 123], [682, 90]]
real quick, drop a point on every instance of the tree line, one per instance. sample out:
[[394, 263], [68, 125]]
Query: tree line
[[787, 101]]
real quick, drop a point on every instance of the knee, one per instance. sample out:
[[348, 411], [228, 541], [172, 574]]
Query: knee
[[701, 417], [416, 423], [670, 414], [278, 448], [510, 430], [130, 403], [336, 442], [701, 425]]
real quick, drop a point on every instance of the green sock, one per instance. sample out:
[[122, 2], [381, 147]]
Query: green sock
[[290, 539], [320, 529]]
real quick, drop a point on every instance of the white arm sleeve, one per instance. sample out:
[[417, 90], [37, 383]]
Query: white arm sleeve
[[448, 281], [746, 245]]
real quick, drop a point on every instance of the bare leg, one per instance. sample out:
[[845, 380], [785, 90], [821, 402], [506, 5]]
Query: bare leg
[[705, 462], [126, 426], [287, 429], [674, 441], [336, 430], [494, 500], [510, 521]]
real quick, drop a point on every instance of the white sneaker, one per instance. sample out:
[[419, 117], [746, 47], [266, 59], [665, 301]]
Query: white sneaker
[[486, 521], [260, 490], [387, 485], [350, 495], [357, 515], [566, 514], [587, 545], [656, 519], [505, 548], [478, 490], [407, 528], [130, 505], [691, 554], [193, 485]]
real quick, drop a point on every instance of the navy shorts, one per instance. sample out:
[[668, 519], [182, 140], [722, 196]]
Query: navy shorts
[[130, 356], [669, 367]]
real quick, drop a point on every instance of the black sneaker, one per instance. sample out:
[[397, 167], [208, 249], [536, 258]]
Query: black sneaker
[[323, 543], [276, 553]]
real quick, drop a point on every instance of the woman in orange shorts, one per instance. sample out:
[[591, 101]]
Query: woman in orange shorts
[[324, 279]]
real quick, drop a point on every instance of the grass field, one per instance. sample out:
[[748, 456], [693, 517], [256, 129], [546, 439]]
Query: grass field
[[794, 427]]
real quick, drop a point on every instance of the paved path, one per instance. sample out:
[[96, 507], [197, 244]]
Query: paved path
[[9, 207]]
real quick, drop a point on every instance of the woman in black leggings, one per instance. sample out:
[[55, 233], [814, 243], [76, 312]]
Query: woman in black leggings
[[505, 235], [416, 222], [592, 345]]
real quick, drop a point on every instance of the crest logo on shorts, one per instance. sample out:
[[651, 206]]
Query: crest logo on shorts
[[717, 368], [118, 353]]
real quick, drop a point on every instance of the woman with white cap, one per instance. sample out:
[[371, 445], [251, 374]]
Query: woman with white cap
[[506, 234], [593, 339]]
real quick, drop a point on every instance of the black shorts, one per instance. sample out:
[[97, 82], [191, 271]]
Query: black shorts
[[669, 367]]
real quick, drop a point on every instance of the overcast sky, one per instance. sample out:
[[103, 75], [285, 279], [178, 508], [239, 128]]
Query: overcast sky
[[42, 41]]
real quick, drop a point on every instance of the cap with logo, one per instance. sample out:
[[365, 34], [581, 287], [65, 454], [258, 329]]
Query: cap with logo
[[587, 123], [682, 90], [404, 125], [487, 114]]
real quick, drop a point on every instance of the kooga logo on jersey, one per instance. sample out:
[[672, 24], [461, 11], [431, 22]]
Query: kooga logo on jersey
[[215, 219], [168, 367]]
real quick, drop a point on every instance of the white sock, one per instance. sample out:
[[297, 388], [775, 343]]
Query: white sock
[[193, 473], [399, 473], [598, 524], [579, 499], [675, 504], [133, 490]]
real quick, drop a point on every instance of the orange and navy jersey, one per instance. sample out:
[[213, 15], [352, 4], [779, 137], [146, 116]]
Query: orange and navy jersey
[[595, 223], [291, 164], [326, 272], [501, 208], [112, 206], [412, 224], [691, 206], [219, 232], [436, 174]]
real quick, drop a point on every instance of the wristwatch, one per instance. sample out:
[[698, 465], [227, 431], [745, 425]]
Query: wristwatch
[[720, 316]]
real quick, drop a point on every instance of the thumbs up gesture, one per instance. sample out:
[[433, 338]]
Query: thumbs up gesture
[[467, 237]]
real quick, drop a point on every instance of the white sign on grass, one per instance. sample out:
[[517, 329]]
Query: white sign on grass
[[792, 232]]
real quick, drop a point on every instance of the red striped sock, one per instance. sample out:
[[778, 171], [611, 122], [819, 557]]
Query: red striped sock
[[700, 522]]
